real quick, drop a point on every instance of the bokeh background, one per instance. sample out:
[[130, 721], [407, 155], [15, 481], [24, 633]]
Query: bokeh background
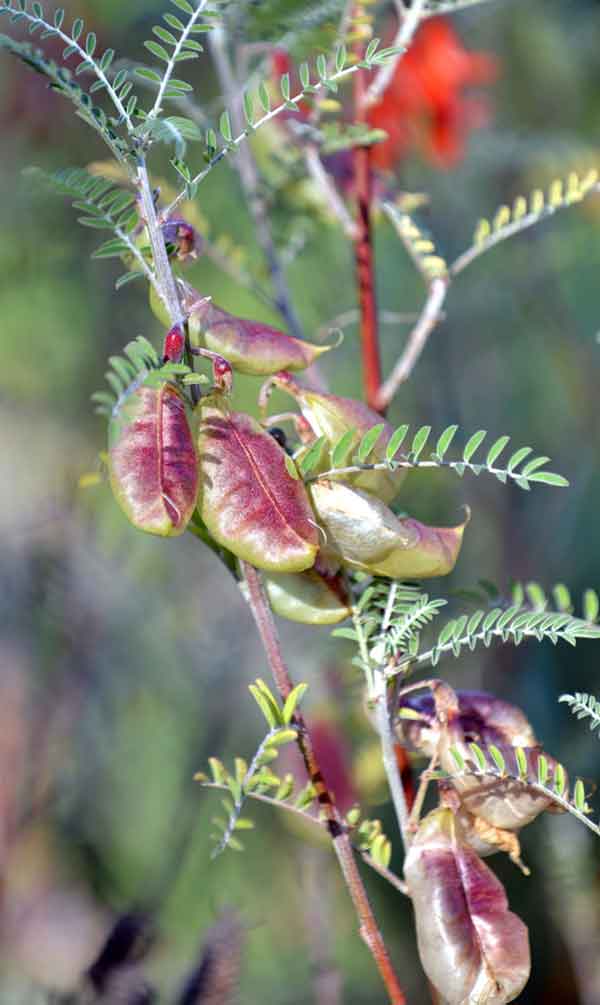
[[125, 659]]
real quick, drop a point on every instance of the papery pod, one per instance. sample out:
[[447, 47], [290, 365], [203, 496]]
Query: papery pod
[[482, 717], [249, 346], [367, 536], [505, 802], [307, 597], [152, 461], [332, 416], [249, 501], [474, 950]]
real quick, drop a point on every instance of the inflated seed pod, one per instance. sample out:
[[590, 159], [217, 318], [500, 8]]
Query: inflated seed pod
[[474, 950], [152, 460], [367, 536], [248, 499], [307, 597], [483, 718], [331, 416], [249, 346]]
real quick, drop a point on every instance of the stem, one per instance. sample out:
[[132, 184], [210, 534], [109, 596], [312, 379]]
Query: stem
[[250, 180], [363, 254], [416, 342], [185, 34], [390, 764], [165, 280], [369, 929]]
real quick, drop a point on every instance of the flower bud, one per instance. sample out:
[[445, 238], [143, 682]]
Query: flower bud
[[307, 597], [473, 949], [152, 461], [249, 501], [368, 536], [250, 346], [331, 416]]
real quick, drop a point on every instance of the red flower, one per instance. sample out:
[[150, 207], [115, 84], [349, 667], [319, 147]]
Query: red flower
[[424, 105]]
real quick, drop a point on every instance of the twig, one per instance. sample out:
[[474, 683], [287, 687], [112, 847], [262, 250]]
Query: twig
[[450, 6], [429, 318], [177, 49], [324, 182], [409, 22], [165, 281], [260, 797], [250, 181], [369, 929]]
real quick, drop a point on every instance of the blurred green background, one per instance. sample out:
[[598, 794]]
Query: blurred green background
[[125, 659]]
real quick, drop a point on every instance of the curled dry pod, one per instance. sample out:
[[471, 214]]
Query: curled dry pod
[[504, 802], [331, 416], [482, 717], [473, 949], [152, 461], [249, 501], [368, 536], [250, 346], [307, 597]]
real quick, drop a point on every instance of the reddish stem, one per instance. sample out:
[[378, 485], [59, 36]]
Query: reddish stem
[[364, 256], [369, 930]]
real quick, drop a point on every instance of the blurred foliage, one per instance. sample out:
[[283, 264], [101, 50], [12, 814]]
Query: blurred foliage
[[125, 659]]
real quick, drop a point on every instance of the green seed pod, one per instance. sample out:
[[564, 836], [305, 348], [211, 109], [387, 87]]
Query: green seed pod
[[307, 597], [249, 501], [249, 346], [366, 535], [152, 461]]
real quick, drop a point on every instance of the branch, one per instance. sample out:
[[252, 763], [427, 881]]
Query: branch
[[329, 192], [250, 180], [157, 106], [73, 45], [260, 797], [369, 929], [429, 318], [409, 22], [165, 281], [449, 6]]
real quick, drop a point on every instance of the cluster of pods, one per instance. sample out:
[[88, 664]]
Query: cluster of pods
[[473, 948], [169, 463]]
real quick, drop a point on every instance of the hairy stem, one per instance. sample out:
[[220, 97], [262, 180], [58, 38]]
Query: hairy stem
[[165, 280], [369, 929], [250, 181]]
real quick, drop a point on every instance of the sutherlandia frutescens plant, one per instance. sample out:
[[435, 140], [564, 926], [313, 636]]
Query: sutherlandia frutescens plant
[[304, 519]]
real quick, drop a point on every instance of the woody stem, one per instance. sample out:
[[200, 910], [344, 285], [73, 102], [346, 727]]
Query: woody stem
[[369, 930]]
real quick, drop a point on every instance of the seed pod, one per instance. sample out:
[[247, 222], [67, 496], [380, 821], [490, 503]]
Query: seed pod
[[307, 597], [368, 536], [483, 718], [249, 501], [503, 802], [250, 346], [332, 416], [152, 461], [473, 949]]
